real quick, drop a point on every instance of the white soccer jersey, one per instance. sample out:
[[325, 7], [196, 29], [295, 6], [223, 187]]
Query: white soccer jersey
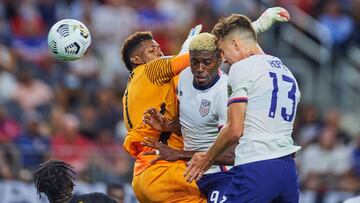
[[202, 111], [272, 95]]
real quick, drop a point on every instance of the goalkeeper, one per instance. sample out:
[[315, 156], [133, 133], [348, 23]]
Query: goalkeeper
[[152, 83]]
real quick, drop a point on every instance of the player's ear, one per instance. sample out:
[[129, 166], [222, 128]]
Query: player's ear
[[136, 60], [236, 44]]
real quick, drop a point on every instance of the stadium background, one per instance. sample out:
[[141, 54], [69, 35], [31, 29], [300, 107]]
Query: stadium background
[[72, 110]]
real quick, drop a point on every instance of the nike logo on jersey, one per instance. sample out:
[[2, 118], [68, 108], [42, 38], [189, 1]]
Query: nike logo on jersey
[[229, 90], [179, 92]]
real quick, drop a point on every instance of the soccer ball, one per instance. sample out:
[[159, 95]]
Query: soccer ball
[[69, 39]]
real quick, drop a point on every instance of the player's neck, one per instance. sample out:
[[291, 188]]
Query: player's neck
[[64, 199], [247, 48], [253, 49]]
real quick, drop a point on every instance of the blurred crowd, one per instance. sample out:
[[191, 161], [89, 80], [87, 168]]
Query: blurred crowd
[[72, 110], [340, 17], [329, 161]]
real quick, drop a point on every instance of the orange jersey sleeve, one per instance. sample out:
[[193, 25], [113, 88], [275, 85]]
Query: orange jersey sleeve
[[180, 62], [162, 70]]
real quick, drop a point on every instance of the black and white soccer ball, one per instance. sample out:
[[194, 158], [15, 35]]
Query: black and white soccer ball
[[69, 39]]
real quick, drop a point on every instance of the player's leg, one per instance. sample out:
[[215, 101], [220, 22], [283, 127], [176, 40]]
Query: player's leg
[[138, 189], [290, 182], [249, 184], [214, 185], [260, 182], [165, 183]]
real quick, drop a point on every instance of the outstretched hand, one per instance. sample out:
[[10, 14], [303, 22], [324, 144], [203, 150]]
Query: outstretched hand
[[277, 14], [197, 166], [156, 120], [164, 151], [193, 32], [269, 17]]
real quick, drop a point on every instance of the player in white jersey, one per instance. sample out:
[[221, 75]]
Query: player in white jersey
[[261, 111], [202, 95]]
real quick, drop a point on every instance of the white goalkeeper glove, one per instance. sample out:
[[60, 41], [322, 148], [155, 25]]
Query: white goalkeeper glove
[[193, 32], [269, 17]]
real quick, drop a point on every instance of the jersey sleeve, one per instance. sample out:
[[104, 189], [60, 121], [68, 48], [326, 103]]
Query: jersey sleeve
[[162, 70], [240, 82], [180, 62]]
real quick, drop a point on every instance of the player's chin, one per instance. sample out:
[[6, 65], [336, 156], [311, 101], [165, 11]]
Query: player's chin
[[202, 81]]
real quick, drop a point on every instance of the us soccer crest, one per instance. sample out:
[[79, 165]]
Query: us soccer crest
[[204, 107]]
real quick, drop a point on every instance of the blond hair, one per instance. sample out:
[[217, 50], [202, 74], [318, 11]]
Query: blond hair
[[203, 42]]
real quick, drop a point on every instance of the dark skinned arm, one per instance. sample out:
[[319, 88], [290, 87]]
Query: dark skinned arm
[[169, 154]]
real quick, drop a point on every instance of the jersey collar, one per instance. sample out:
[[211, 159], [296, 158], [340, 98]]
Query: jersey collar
[[208, 86]]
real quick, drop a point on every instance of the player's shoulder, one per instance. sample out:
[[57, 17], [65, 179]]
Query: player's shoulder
[[185, 75], [223, 78], [186, 72], [164, 60], [223, 75], [222, 87], [251, 60], [250, 64], [92, 198], [155, 63]]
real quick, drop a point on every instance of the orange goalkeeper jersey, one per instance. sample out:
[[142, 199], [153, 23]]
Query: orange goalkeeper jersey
[[151, 85]]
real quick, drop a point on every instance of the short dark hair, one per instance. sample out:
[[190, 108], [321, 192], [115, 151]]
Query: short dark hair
[[232, 23], [130, 45], [55, 179]]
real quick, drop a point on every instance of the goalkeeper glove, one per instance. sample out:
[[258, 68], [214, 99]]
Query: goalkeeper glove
[[193, 32], [269, 17]]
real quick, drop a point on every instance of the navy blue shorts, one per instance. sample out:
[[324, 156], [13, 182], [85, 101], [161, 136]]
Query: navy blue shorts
[[267, 181], [214, 185]]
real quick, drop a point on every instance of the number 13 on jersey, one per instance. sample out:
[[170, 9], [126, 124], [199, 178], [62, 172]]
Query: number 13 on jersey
[[290, 94]]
